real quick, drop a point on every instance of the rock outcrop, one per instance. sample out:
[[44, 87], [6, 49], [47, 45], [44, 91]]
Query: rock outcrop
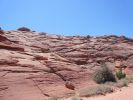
[[36, 66], [24, 29]]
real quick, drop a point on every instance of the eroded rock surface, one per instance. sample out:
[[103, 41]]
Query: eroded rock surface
[[35, 66]]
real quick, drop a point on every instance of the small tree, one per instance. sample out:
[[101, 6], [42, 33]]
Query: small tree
[[103, 75]]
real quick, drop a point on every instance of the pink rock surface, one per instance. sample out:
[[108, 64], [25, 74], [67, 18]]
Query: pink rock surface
[[36, 66]]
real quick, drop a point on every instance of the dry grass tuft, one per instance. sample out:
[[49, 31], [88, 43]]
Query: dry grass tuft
[[97, 90]]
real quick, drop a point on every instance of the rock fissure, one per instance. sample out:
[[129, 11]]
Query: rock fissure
[[45, 94]]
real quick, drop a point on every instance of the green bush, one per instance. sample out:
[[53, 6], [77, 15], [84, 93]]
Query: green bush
[[74, 98], [120, 74], [104, 74]]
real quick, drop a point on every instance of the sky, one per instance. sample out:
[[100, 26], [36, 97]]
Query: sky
[[69, 17]]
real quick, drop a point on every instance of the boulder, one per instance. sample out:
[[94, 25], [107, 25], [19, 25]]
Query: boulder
[[69, 85]]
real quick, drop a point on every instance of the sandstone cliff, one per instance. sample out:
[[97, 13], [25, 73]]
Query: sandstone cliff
[[34, 66]]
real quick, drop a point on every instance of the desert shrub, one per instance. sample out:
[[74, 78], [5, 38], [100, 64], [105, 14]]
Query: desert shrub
[[53, 98], [114, 42], [122, 83], [24, 29], [43, 33], [129, 79], [120, 74], [74, 98], [97, 90], [125, 81], [88, 36], [104, 74]]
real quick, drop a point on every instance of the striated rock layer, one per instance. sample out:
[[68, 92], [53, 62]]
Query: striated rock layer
[[35, 66]]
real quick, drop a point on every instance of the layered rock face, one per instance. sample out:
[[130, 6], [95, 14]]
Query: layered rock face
[[35, 66]]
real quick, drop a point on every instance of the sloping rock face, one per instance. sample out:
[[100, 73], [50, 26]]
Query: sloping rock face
[[35, 66]]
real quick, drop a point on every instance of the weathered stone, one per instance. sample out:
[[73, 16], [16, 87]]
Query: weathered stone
[[69, 85], [37, 57], [11, 47], [37, 66], [1, 32]]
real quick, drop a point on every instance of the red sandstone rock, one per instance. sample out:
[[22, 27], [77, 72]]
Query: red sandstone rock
[[48, 61], [10, 62], [2, 38], [1, 32], [11, 47], [40, 58], [69, 85]]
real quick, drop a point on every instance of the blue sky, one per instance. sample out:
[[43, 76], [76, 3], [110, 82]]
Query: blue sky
[[69, 17]]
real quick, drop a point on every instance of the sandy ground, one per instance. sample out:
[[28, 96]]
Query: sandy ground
[[126, 93]]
